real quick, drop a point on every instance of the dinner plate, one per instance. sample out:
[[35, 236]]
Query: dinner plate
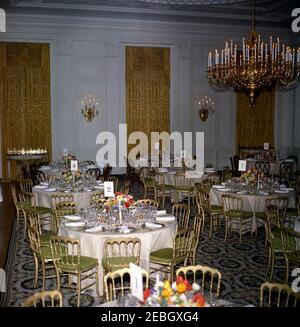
[[75, 224], [224, 189], [96, 229], [218, 186], [161, 212], [73, 217], [40, 187], [165, 218], [153, 225], [124, 229], [50, 189]]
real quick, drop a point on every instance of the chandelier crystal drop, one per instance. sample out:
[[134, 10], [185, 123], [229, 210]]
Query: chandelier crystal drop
[[258, 65]]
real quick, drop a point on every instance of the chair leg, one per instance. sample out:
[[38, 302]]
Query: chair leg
[[211, 225], [36, 273], [226, 228], [241, 227], [44, 275], [58, 279], [78, 289], [272, 267], [18, 219], [97, 281], [287, 271]]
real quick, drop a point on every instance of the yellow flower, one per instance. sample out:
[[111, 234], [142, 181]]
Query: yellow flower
[[181, 288]]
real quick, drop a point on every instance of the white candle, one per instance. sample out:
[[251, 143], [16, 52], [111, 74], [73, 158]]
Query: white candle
[[120, 213]]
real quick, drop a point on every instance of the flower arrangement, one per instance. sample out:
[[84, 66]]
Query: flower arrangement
[[125, 200], [252, 175], [180, 294], [67, 176]]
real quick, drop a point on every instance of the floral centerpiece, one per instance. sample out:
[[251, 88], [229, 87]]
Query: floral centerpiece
[[125, 200], [180, 294], [252, 175]]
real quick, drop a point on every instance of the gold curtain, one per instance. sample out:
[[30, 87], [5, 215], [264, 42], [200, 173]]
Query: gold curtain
[[24, 99], [147, 90], [255, 126]]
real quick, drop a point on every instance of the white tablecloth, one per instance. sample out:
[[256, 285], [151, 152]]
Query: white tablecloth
[[254, 203], [81, 198], [93, 244]]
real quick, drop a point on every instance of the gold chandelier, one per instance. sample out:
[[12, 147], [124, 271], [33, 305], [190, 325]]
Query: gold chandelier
[[89, 107], [258, 66]]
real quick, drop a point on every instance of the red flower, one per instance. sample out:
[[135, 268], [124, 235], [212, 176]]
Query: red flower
[[147, 293], [179, 280], [199, 298]]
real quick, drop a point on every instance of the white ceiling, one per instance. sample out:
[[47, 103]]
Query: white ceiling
[[268, 12]]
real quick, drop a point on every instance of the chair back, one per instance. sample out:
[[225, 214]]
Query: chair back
[[65, 253], [61, 197], [273, 217], [35, 221], [263, 166], [38, 177], [182, 181], [100, 203], [202, 199], [34, 241], [61, 209], [277, 295], [183, 242], [290, 239], [123, 247], [232, 204], [209, 278], [214, 178], [94, 173], [286, 168], [97, 195], [281, 202], [44, 299], [26, 185], [117, 279], [145, 203], [182, 214]]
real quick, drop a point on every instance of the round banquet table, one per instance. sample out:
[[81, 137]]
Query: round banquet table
[[92, 244], [43, 198], [251, 202]]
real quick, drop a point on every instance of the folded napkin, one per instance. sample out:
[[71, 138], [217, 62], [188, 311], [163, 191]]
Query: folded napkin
[[165, 218], [282, 185], [73, 217], [99, 187], [75, 224], [286, 189], [94, 229], [91, 167], [224, 189], [45, 168], [161, 212], [263, 193], [44, 183], [153, 225]]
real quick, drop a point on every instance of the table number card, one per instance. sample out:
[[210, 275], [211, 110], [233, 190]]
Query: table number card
[[266, 146], [136, 282], [74, 165], [242, 165], [109, 190]]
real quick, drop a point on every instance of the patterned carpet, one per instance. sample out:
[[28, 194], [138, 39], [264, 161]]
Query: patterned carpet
[[243, 267]]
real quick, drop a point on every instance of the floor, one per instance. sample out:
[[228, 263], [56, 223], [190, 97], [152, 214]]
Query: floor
[[7, 214]]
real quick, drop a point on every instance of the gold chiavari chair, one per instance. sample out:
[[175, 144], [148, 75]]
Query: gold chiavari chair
[[166, 259], [28, 203], [67, 258], [182, 214], [117, 277], [97, 195], [162, 190], [234, 214], [145, 202], [281, 202], [126, 187], [148, 183], [278, 295], [120, 252], [19, 205], [290, 239], [204, 186], [213, 212], [198, 225], [44, 299], [226, 175], [214, 275], [62, 209], [26, 185], [273, 238], [100, 203], [183, 186], [214, 178], [41, 254], [35, 222]]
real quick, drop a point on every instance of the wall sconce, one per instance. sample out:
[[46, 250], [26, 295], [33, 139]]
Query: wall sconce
[[89, 107], [206, 106]]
